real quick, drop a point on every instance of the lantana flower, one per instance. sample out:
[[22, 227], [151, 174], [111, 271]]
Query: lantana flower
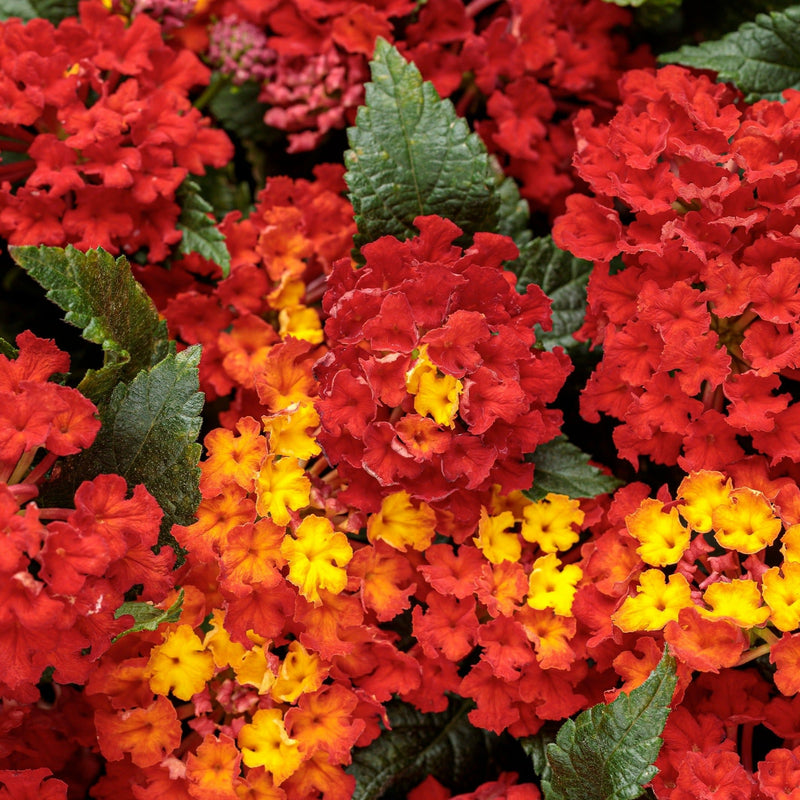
[[433, 386]]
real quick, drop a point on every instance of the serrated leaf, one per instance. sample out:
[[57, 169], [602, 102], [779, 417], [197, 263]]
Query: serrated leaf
[[562, 468], [563, 278], [762, 57], [149, 435], [239, 111], [147, 616], [607, 752], [100, 296], [513, 213], [410, 154], [221, 190], [17, 8], [535, 747], [200, 233], [444, 745], [26, 10]]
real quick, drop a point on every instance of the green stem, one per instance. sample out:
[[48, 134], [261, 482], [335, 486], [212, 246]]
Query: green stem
[[217, 83]]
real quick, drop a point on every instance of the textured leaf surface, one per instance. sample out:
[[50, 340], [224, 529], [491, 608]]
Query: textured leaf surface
[[200, 234], [563, 279], [410, 154], [762, 57], [444, 745], [53, 10], [562, 468], [146, 616], [149, 435], [607, 752], [100, 296], [239, 111]]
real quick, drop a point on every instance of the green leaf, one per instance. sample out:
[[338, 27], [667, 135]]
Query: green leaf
[[563, 278], [239, 111], [146, 616], [26, 10], [7, 349], [200, 233], [535, 747], [223, 192], [762, 57], [513, 214], [444, 745], [149, 435], [17, 8], [607, 752], [100, 296], [410, 154], [562, 468]]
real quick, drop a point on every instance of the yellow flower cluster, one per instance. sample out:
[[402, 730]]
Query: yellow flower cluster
[[740, 522]]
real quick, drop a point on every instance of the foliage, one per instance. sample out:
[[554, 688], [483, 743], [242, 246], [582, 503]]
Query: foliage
[[399, 267], [761, 58], [411, 155], [607, 751]]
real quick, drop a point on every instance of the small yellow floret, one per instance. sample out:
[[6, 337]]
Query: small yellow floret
[[288, 431], [551, 587], [494, 539], [281, 485], [301, 322], [663, 537], [738, 601], [701, 493], [402, 524], [790, 544], [746, 522], [435, 393], [782, 595], [551, 522], [301, 672], [657, 602], [265, 743], [317, 556], [180, 664]]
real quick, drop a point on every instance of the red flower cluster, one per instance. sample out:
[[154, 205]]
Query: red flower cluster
[[279, 257], [311, 60], [525, 68], [699, 321], [520, 69], [62, 581], [432, 386], [98, 133]]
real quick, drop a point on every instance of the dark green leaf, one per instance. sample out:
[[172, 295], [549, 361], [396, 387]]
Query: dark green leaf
[[535, 747], [17, 8], [410, 154], [563, 278], [444, 745], [149, 435], [513, 214], [239, 111], [762, 57], [7, 349], [607, 752], [562, 468], [100, 296], [53, 10], [200, 233], [222, 191], [146, 616]]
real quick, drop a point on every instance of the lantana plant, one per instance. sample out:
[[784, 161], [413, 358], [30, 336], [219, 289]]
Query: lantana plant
[[425, 420]]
